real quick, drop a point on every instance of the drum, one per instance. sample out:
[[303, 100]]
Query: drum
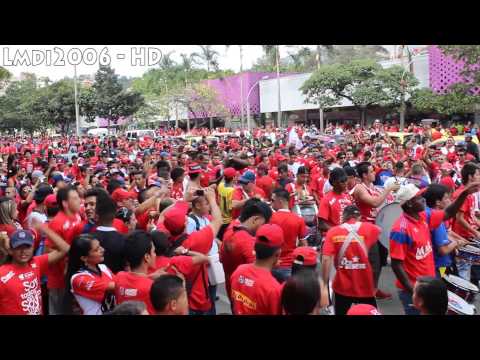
[[308, 213], [463, 288], [385, 219], [458, 306], [470, 254]]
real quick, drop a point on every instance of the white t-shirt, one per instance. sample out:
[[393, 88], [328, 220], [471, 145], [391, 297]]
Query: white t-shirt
[[35, 215]]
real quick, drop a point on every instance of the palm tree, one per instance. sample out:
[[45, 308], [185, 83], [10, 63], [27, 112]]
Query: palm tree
[[167, 62], [273, 51], [208, 56]]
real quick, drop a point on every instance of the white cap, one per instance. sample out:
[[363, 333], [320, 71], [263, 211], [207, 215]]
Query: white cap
[[407, 192]]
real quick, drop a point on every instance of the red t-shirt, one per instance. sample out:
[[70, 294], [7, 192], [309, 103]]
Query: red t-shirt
[[177, 191], [468, 210], [184, 264], [332, 206], [448, 181], [236, 249], [266, 183], [410, 242], [67, 228], [294, 228], [200, 241], [20, 290], [239, 195], [8, 228], [92, 287], [255, 291], [131, 286], [354, 276], [142, 220]]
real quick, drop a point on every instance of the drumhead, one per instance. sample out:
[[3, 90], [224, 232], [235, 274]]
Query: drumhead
[[470, 249], [458, 305], [385, 219], [461, 283]]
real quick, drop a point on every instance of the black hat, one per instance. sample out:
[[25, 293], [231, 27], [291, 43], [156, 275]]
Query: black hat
[[42, 192]]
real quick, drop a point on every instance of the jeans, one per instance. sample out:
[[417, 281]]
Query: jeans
[[281, 274], [407, 302], [56, 302], [198, 312], [464, 269]]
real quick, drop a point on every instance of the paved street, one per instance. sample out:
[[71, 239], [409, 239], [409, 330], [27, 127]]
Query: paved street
[[386, 307]]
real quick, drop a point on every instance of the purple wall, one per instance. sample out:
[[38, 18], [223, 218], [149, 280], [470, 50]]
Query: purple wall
[[444, 71], [228, 90]]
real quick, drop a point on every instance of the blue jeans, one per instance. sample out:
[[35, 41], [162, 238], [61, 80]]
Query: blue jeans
[[464, 269], [407, 302], [212, 291], [281, 274]]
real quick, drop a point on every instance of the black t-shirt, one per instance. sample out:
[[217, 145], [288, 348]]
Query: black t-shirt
[[114, 243]]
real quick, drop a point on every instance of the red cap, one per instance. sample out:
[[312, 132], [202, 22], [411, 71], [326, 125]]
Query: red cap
[[272, 233], [122, 195], [305, 255], [363, 309], [194, 168], [50, 201], [174, 219], [387, 158], [230, 173]]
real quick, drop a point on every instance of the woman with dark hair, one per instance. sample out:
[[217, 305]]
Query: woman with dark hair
[[301, 294], [88, 279]]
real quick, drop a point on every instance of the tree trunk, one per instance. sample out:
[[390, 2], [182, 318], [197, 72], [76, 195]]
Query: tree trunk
[[211, 123], [363, 113], [403, 110]]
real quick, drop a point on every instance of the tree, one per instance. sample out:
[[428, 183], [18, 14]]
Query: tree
[[356, 82], [208, 56], [457, 101], [167, 62], [86, 104], [343, 54], [18, 108], [111, 101], [5, 76]]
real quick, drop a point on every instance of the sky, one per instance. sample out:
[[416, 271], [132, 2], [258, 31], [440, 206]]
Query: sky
[[56, 62]]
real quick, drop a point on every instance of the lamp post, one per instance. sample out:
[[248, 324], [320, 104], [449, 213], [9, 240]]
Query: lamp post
[[248, 101], [77, 122]]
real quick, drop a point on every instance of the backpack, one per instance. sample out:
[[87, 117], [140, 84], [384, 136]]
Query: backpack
[[197, 222]]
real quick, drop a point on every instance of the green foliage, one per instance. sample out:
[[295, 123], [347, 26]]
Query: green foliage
[[111, 101], [208, 57], [364, 82], [5, 76], [457, 101]]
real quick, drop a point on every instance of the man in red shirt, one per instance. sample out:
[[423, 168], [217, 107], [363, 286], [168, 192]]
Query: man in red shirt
[[265, 182], [254, 290], [410, 239], [178, 175], [347, 246], [169, 296], [175, 220], [466, 223], [300, 191], [368, 198], [238, 240], [135, 284], [445, 177], [294, 232], [334, 202], [246, 190], [67, 224]]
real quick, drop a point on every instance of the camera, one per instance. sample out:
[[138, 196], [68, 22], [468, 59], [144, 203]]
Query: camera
[[199, 193]]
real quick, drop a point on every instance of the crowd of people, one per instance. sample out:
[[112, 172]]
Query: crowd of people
[[285, 218]]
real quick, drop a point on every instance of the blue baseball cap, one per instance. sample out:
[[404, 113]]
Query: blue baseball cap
[[247, 177], [21, 237]]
